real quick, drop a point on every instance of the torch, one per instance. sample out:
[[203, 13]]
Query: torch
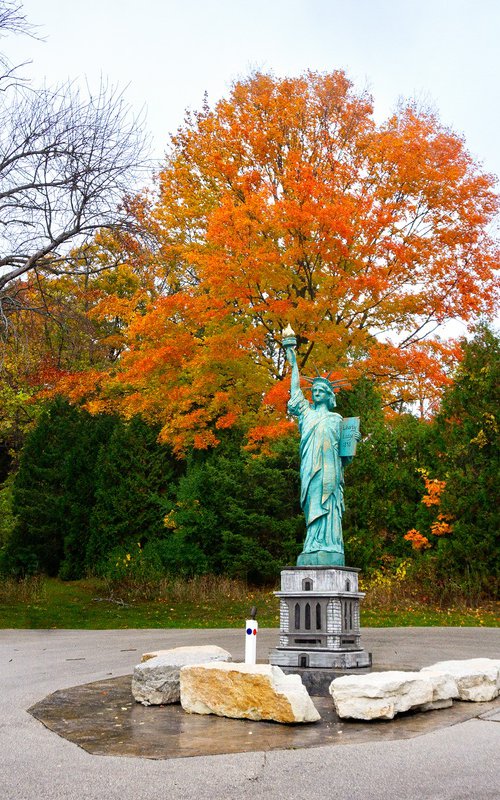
[[289, 338]]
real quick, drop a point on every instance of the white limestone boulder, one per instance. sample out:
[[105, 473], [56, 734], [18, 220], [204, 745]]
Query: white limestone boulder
[[246, 691], [477, 679], [380, 695], [444, 690], [156, 679]]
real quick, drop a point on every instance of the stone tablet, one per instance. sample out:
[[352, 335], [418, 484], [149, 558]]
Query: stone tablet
[[246, 691], [156, 679]]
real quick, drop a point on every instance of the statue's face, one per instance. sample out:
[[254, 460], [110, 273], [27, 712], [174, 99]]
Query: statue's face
[[320, 395]]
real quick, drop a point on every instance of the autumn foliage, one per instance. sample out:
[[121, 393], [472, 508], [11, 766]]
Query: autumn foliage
[[434, 489], [286, 202], [441, 525], [417, 539]]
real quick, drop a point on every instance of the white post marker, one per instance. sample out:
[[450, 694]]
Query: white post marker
[[252, 627]]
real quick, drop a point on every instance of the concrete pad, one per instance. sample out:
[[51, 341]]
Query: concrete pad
[[103, 719], [492, 716]]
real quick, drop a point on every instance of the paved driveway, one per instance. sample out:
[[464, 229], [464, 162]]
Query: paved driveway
[[454, 763]]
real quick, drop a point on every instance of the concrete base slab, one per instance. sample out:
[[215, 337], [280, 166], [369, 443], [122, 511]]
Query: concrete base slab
[[103, 718], [335, 660]]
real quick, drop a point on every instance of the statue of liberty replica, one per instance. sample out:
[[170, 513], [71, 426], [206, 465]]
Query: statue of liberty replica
[[319, 598], [321, 465]]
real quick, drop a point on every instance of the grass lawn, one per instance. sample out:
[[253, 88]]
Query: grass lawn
[[87, 604]]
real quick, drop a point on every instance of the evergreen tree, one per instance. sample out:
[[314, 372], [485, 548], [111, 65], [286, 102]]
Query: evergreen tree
[[135, 480], [382, 486], [240, 514], [469, 428], [53, 491], [90, 436], [384, 490], [7, 518], [5, 461]]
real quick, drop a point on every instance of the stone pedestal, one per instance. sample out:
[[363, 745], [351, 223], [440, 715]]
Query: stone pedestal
[[319, 624]]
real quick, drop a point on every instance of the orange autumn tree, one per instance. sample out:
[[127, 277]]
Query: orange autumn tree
[[286, 202]]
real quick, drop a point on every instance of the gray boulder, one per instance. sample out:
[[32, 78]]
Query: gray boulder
[[156, 679]]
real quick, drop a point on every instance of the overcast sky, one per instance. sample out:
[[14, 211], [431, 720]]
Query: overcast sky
[[445, 53]]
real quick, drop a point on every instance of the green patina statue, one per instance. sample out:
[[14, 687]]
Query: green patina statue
[[321, 465]]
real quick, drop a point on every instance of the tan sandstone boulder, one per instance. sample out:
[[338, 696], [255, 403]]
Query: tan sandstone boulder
[[246, 691]]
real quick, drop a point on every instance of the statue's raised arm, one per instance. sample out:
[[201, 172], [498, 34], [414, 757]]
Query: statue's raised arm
[[321, 466], [289, 342]]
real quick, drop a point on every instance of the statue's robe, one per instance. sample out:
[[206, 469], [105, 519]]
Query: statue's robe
[[322, 481]]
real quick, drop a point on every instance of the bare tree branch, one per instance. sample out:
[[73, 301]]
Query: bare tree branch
[[12, 20], [67, 159]]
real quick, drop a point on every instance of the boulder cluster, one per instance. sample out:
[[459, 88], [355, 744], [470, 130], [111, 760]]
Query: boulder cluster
[[382, 695], [206, 681]]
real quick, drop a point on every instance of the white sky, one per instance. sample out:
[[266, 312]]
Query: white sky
[[445, 53]]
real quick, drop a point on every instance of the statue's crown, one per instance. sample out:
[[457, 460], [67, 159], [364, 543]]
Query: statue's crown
[[325, 380]]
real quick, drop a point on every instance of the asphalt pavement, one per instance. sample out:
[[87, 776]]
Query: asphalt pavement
[[458, 762]]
